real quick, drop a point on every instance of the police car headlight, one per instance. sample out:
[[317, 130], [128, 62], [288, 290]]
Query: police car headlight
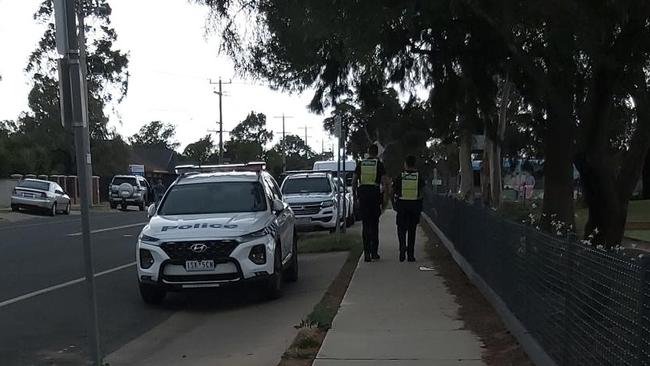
[[328, 203], [148, 239], [255, 235]]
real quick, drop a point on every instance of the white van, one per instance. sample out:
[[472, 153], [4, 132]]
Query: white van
[[332, 166]]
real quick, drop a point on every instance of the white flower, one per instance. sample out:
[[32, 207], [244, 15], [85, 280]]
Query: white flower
[[534, 205], [596, 230], [641, 256], [600, 247]]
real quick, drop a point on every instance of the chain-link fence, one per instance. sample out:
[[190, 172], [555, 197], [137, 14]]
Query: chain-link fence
[[584, 306]]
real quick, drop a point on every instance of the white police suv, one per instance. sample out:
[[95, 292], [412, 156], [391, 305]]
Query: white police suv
[[216, 226]]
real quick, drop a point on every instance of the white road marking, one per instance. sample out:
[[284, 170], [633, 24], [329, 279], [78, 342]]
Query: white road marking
[[111, 228], [62, 285]]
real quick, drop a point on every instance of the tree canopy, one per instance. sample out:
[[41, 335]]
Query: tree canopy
[[578, 72], [155, 134]]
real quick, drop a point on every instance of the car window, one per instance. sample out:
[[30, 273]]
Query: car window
[[120, 180], [58, 188], [214, 197], [44, 186], [275, 190], [306, 185]]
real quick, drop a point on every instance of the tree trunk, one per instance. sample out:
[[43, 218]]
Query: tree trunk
[[646, 179], [486, 172], [453, 167], [496, 163], [465, 162], [558, 166]]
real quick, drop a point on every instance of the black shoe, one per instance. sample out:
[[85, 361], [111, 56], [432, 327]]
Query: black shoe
[[411, 259], [367, 258], [376, 256], [402, 257]]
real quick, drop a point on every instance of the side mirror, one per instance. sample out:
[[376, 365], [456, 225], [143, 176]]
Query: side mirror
[[278, 206], [151, 210]]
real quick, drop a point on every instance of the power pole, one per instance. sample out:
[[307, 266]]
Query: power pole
[[74, 116], [220, 94], [283, 144]]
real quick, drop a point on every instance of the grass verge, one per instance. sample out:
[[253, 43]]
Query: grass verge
[[321, 242], [313, 328]]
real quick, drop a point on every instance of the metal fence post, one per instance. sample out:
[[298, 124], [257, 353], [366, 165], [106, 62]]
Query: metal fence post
[[568, 279], [643, 320]]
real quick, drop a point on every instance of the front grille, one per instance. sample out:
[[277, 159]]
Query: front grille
[[202, 278], [301, 209], [216, 249]]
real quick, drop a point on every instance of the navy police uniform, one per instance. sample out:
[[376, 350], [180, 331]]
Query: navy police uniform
[[407, 199], [370, 173]]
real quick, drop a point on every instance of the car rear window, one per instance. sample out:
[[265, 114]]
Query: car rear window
[[306, 185], [119, 180], [44, 186], [217, 197]]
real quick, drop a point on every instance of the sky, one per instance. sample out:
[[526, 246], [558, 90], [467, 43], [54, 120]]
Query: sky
[[171, 62]]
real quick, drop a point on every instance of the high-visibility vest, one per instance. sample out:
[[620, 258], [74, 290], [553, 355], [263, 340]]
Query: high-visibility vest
[[410, 182], [369, 172]]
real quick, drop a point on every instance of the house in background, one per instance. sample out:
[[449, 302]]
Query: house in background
[[158, 163]]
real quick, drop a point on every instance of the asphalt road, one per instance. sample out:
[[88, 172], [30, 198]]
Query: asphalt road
[[43, 307]]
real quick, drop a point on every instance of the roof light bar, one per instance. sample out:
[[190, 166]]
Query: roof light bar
[[254, 166]]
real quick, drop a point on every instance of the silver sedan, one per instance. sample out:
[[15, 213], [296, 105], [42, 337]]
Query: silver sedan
[[40, 194]]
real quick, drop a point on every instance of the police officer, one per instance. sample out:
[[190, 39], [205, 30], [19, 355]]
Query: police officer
[[159, 191], [368, 176], [407, 198]]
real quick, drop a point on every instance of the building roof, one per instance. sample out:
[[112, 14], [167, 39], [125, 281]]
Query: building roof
[[155, 159]]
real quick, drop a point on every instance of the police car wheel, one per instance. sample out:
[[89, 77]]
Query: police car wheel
[[152, 295], [292, 270], [274, 282]]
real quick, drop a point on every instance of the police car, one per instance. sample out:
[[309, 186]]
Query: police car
[[216, 226]]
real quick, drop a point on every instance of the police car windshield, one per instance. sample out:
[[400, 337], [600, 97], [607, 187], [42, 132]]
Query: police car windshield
[[214, 197], [306, 185]]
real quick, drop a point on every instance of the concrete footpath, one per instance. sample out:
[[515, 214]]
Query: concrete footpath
[[398, 314]]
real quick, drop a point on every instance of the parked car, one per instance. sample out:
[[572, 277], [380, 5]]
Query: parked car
[[350, 216], [41, 195], [347, 173], [129, 190], [218, 226], [314, 200]]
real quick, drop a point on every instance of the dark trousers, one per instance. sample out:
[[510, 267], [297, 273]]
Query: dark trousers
[[407, 223], [370, 210], [370, 234]]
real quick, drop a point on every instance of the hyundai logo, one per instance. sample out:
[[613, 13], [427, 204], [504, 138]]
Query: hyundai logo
[[198, 248]]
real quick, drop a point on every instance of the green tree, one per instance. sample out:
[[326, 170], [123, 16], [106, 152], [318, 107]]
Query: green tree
[[155, 134], [40, 144], [248, 139], [576, 64], [200, 151]]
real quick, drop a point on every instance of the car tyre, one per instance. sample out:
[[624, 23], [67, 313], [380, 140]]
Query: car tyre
[[141, 206], [123, 207], [15, 208], [67, 209], [292, 270], [53, 210], [113, 206], [152, 295], [274, 282]]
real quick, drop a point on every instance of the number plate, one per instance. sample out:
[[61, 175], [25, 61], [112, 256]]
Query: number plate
[[199, 266], [303, 221], [29, 195]]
